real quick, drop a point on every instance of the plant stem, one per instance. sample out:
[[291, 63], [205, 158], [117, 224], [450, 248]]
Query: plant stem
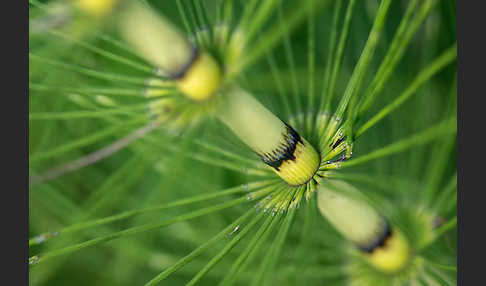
[[276, 143], [195, 72], [198, 250], [444, 128], [438, 64]]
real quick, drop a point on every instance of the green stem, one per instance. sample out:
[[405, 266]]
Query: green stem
[[272, 254], [257, 238], [438, 64], [225, 250], [358, 74], [68, 115], [128, 214], [90, 72], [94, 90], [294, 15], [338, 59], [104, 53], [395, 52], [444, 128], [137, 229], [87, 140], [195, 253]]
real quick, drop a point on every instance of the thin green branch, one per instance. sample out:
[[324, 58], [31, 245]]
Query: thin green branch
[[395, 52], [278, 81], [82, 114], [311, 58], [452, 223], [104, 53], [90, 72], [237, 266], [181, 8], [94, 90], [446, 195], [441, 153], [261, 15], [84, 141], [442, 129], [437, 65], [293, 15], [195, 253], [226, 249], [356, 79], [137, 229], [338, 59], [273, 253], [289, 55]]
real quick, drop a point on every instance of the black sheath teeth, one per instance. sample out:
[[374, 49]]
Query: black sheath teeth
[[344, 157], [379, 241], [341, 139], [284, 151], [183, 70]]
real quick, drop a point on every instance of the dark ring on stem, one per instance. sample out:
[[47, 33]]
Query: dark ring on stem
[[284, 151], [379, 241], [183, 70]]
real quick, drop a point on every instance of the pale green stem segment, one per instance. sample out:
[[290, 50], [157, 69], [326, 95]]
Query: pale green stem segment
[[196, 73], [277, 144], [155, 38], [383, 245], [255, 125], [355, 220]]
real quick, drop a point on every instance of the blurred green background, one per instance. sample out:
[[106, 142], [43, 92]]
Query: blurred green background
[[151, 171]]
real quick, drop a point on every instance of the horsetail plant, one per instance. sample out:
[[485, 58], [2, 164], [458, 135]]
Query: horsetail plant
[[195, 71], [383, 244], [182, 201]]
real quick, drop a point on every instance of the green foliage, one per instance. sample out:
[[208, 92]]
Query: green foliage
[[118, 199]]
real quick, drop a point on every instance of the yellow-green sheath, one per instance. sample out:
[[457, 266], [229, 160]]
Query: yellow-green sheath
[[96, 8], [195, 72], [278, 145], [383, 245]]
